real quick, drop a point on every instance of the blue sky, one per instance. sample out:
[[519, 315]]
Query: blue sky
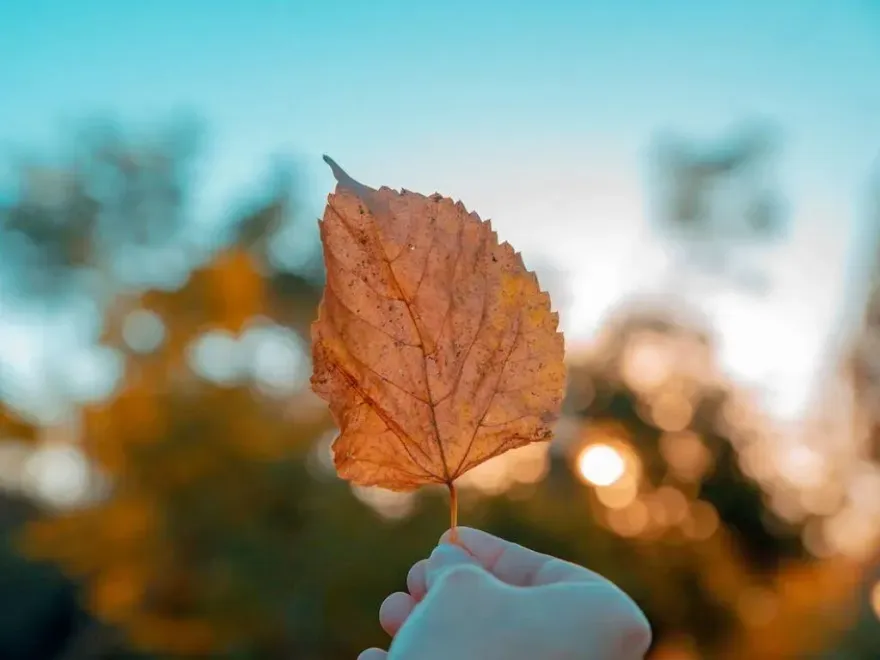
[[537, 115]]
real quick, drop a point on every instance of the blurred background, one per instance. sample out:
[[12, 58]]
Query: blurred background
[[697, 185]]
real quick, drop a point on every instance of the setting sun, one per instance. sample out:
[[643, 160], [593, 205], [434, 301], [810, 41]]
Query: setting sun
[[601, 465]]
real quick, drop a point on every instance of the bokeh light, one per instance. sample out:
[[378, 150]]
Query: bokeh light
[[523, 466], [600, 464], [386, 503], [58, 474]]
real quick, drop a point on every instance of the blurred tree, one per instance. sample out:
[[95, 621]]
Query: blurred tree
[[79, 219], [194, 550], [866, 356], [717, 203], [220, 528], [862, 639], [42, 618], [693, 183], [676, 522], [657, 388], [38, 604]]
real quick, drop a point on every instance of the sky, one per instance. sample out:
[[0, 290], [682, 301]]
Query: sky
[[537, 115]]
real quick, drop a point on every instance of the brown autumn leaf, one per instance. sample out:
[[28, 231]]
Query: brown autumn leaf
[[434, 346]]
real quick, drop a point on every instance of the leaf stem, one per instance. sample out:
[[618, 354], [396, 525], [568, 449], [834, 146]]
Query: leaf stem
[[453, 513]]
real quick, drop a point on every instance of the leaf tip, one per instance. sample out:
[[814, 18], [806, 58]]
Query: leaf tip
[[345, 181], [338, 173]]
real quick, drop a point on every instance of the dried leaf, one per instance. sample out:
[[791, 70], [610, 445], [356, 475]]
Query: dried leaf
[[434, 346]]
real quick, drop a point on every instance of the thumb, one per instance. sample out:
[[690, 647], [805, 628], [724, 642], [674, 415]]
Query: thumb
[[445, 558]]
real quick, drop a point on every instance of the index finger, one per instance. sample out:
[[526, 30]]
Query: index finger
[[517, 565]]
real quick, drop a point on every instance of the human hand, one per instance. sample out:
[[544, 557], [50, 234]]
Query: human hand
[[486, 599]]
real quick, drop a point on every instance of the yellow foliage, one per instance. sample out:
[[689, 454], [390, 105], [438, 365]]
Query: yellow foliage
[[153, 552], [12, 426], [135, 415], [175, 554], [115, 593], [237, 289], [177, 636], [224, 294]]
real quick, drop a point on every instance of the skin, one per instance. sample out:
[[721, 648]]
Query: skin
[[486, 598]]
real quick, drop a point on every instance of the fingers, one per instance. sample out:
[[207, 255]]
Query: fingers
[[373, 654], [444, 557], [439, 570], [516, 565], [394, 611], [398, 606], [416, 580]]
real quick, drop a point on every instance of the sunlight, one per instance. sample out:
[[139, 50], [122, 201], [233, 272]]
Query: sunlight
[[601, 464], [760, 343]]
